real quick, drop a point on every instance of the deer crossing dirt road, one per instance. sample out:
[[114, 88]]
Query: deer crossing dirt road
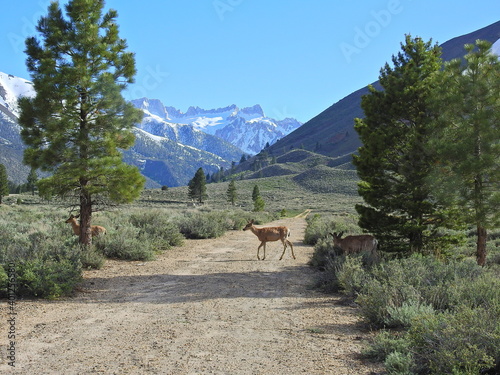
[[207, 307]]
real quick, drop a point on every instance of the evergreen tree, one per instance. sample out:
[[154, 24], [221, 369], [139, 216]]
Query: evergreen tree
[[255, 193], [32, 180], [467, 140], [4, 183], [259, 204], [197, 188], [231, 192], [394, 161], [78, 121]]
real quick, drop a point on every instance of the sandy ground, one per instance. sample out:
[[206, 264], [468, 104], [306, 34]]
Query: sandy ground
[[208, 307]]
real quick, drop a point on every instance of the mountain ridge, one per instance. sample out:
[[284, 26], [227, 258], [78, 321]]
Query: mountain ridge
[[246, 128], [332, 133]]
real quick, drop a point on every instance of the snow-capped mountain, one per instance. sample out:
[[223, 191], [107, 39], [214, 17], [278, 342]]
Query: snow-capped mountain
[[246, 128], [12, 88], [165, 158], [11, 146], [495, 48]]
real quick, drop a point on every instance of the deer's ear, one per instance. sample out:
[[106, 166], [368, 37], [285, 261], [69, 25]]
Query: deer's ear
[[341, 233], [250, 222]]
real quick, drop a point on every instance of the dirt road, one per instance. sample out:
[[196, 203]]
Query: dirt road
[[208, 307]]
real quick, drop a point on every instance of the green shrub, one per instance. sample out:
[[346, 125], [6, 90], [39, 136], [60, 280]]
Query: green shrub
[[463, 342], [91, 257], [329, 281], [316, 228], [402, 316], [4, 281], [324, 252], [48, 278], [160, 229], [388, 287], [200, 225], [126, 243], [398, 363], [451, 311], [385, 343], [482, 290], [421, 283], [353, 276]]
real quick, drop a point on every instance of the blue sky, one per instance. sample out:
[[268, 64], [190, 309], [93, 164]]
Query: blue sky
[[293, 57]]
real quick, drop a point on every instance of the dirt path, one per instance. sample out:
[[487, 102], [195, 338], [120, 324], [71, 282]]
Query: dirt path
[[208, 307]]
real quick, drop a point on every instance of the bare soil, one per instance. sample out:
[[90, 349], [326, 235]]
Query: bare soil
[[208, 307]]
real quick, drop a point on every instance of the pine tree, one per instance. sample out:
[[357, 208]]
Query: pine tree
[[255, 193], [197, 188], [32, 180], [231, 192], [467, 140], [394, 162], [259, 204], [78, 121], [4, 183]]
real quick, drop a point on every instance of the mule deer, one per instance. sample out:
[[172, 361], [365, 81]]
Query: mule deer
[[267, 234], [355, 244], [95, 230]]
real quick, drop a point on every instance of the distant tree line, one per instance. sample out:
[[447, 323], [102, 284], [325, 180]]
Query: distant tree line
[[8, 187], [197, 191]]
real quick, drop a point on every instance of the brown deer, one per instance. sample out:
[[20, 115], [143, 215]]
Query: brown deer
[[95, 230], [355, 244], [267, 234]]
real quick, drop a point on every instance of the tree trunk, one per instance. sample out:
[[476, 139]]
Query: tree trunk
[[481, 246], [85, 218]]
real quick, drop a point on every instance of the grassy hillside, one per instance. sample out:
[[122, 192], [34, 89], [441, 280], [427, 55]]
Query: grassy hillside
[[279, 193]]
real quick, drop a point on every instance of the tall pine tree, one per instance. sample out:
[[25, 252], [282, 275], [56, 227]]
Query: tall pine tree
[[231, 192], [78, 120], [394, 161], [197, 189], [467, 140], [4, 182], [32, 180]]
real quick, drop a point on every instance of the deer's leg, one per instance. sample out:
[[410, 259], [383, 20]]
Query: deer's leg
[[258, 250], [291, 246], [284, 248]]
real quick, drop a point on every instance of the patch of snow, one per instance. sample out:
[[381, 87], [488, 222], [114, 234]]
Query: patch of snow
[[11, 89], [495, 48]]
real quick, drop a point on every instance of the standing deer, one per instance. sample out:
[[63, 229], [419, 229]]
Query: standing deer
[[95, 230], [267, 234], [355, 244]]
